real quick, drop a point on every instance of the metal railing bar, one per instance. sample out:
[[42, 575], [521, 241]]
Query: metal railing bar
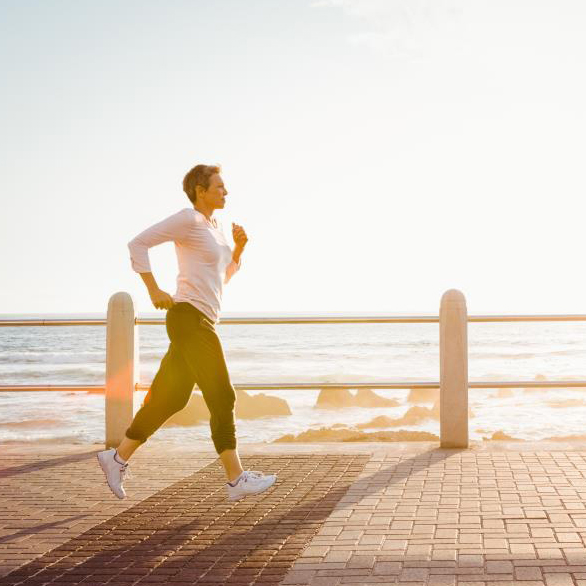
[[30, 388], [51, 322], [314, 320], [304, 320], [553, 384], [524, 318], [550, 384]]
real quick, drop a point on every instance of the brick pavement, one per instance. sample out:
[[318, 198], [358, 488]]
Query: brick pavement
[[190, 533], [373, 514], [54, 494], [455, 517]]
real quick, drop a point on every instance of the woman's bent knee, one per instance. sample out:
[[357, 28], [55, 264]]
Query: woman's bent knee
[[151, 417]]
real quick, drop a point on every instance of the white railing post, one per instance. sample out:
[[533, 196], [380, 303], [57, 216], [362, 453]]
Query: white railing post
[[453, 370], [121, 366]]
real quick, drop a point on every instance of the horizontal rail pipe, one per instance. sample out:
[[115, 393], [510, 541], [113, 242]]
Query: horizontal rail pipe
[[553, 384], [305, 320], [15, 323], [33, 388]]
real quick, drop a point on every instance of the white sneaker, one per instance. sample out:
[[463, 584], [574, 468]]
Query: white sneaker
[[251, 482], [114, 471]]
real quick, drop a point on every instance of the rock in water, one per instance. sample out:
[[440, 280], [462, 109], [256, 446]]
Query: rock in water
[[334, 398], [261, 405], [380, 421], [340, 398], [423, 396], [501, 436], [566, 438], [348, 435], [413, 416], [247, 407], [368, 398]]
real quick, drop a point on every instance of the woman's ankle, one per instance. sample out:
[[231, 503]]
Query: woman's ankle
[[119, 458], [127, 447], [234, 481]]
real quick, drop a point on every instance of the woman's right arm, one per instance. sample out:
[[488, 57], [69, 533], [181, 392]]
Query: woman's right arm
[[174, 228]]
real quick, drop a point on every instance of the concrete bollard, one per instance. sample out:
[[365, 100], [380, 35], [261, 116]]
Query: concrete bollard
[[453, 370], [121, 366]]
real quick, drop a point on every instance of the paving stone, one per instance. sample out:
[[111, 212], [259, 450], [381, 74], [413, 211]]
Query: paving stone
[[525, 573]]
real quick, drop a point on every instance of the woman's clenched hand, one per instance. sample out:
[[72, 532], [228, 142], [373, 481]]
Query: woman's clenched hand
[[239, 235], [161, 299]]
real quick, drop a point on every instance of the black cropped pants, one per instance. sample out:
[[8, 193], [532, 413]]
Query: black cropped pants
[[195, 356]]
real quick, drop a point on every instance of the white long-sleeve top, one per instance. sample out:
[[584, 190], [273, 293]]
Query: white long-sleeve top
[[204, 258]]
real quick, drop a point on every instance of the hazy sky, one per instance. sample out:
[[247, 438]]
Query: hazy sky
[[376, 152]]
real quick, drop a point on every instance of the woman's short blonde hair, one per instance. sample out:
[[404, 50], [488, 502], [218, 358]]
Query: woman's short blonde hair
[[199, 175]]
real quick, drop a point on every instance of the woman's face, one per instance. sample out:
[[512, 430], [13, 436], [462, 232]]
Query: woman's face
[[215, 194]]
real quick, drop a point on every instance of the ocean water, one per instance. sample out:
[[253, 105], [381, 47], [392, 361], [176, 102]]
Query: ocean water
[[302, 353]]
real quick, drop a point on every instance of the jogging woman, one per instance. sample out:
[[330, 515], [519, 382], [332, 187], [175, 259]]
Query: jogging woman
[[195, 355]]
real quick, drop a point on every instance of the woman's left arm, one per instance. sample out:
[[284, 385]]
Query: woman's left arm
[[240, 240]]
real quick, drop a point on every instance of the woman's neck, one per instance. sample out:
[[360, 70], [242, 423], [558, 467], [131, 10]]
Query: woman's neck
[[208, 215], [205, 211]]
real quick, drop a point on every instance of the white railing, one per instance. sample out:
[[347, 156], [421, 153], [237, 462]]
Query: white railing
[[122, 361]]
